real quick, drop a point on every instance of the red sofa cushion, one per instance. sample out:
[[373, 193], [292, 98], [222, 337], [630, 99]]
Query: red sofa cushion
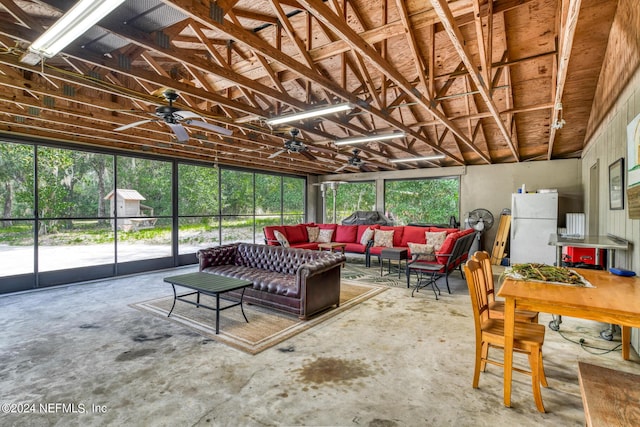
[[355, 248], [328, 226], [295, 234], [397, 234], [414, 234], [448, 230], [449, 242], [271, 238], [346, 234]]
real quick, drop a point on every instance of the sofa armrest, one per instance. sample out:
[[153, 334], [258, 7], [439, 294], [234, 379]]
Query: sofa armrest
[[217, 255], [320, 265], [319, 283]]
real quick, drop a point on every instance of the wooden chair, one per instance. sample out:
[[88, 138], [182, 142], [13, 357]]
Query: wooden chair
[[528, 337], [496, 308]]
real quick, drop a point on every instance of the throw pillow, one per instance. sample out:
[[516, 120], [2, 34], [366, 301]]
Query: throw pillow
[[281, 238], [436, 239], [383, 238], [366, 236], [421, 252], [324, 235], [313, 233]]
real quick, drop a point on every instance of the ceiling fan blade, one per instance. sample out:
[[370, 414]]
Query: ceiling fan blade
[[134, 124], [180, 131], [209, 126], [277, 153], [186, 114]]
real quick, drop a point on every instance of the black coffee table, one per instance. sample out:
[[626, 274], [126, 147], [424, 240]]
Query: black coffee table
[[207, 284]]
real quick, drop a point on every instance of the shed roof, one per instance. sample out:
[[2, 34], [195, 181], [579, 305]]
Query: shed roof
[[125, 194]]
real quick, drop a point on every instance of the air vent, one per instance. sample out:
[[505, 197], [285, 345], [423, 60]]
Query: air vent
[[162, 40], [124, 62], [34, 111], [69, 90], [49, 101], [20, 119], [216, 13]]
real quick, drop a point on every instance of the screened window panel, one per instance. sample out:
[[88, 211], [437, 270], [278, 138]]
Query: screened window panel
[[430, 201]]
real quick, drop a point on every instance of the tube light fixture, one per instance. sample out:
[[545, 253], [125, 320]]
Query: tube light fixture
[[361, 139], [72, 25], [327, 109], [418, 159]]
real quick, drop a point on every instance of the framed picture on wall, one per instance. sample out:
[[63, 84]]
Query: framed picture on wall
[[633, 152], [616, 184]]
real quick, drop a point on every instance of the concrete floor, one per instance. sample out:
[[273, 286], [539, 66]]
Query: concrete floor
[[393, 360]]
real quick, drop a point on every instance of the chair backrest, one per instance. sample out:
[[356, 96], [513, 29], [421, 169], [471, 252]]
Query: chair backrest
[[460, 251], [475, 282], [484, 259]]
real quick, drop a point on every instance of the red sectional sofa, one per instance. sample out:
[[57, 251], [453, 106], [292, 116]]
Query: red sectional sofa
[[351, 236]]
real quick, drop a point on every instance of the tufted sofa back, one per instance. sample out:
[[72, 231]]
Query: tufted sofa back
[[274, 258]]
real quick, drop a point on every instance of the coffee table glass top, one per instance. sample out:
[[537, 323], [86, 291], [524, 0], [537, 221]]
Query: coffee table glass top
[[208, 282]]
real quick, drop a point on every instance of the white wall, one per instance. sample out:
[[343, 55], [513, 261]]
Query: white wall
[[608, 144]]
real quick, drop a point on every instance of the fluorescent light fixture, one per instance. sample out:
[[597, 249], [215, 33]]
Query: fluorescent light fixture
[[72, 25], [418, 159], [328, 109], [361, 139]]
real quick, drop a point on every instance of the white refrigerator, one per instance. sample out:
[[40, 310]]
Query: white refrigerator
[[534, 217]]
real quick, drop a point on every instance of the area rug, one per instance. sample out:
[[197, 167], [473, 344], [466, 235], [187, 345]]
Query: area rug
[[266, 328], [356, 270]]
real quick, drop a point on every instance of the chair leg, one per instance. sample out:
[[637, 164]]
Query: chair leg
[[534, 362], [446, 279], [484, 357], [477, 366], [543, 376]]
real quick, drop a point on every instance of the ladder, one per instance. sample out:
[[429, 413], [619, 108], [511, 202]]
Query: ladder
[[501, 239]]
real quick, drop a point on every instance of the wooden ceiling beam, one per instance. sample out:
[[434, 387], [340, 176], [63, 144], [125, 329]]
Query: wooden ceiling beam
[[338, 26], [455, 35], [200, 13], [568, 30]]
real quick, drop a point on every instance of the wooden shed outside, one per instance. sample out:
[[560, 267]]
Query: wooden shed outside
[[129, 210]]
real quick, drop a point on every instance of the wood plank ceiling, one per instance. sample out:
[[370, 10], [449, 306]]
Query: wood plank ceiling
[[480, 81]]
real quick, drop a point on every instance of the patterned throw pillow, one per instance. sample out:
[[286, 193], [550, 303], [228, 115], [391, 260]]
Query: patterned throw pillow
[[436, 239], [423, 252], [281, 239], [324, 235], [313, 233], [366, 236], [383, 238]]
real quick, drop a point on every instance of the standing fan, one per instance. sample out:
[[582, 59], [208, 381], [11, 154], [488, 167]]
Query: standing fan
[[176, 118], [480, 220]]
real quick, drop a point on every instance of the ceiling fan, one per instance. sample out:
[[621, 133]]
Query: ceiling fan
[[176, 118], [294, 146], [354, 160]]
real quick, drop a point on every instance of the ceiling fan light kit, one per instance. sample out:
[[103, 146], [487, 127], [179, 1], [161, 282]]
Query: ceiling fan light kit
[[328, 109], [369, 138], [74, 23], [418, 159]]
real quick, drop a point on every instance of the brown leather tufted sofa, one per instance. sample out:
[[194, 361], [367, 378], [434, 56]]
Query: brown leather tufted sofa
[[298, 281]]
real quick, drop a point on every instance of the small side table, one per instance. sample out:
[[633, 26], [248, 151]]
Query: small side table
[[332, 246], [393, 254]]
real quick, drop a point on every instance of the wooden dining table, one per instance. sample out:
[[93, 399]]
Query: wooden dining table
[[613, 299]]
